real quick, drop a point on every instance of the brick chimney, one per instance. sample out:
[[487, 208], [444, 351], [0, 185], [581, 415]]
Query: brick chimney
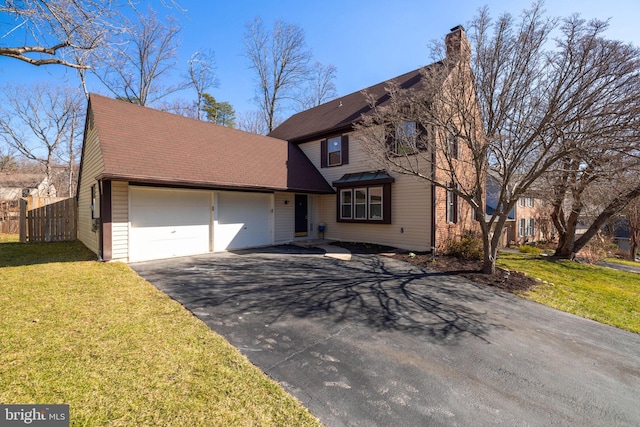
[[458, 46]]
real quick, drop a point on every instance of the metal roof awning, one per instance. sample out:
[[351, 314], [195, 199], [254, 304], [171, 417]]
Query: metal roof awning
[[364, 178]]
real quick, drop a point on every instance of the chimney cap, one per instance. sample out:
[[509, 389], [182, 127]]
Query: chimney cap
[[456, 28]]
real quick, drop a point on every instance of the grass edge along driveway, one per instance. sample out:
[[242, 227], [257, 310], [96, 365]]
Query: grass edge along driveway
[[118, 351], [598, 293]]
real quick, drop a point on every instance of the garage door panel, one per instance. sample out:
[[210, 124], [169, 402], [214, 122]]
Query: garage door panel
[[167, 223], [243, 221]]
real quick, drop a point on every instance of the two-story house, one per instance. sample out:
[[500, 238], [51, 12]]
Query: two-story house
[[155, 185]]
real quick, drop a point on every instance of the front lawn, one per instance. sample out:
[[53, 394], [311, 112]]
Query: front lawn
[[602, 294], [118, 351]]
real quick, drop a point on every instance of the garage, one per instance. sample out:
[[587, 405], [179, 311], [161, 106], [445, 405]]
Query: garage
[[168, 222], [242, 220]]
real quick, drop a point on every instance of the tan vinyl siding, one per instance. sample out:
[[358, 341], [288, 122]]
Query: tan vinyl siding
[[120, 221], [284, 218], [92, 166], [411, 205]]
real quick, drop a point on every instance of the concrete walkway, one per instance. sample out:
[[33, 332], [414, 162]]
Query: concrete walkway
[[378, 342]]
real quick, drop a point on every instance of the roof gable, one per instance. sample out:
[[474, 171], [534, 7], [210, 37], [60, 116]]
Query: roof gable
[[140, 144]]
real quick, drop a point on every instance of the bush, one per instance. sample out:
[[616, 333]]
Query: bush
[[469, 246], [528, 249]]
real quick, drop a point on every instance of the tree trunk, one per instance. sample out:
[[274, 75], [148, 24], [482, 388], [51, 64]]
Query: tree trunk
[[613, 208], [566, 242]]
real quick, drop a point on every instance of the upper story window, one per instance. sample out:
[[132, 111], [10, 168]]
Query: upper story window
[[406, 138], [452, 146], [334, 151]]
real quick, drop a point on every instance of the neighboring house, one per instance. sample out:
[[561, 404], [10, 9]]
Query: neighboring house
[[155, 185], [529, 216], [527, 221], [13, 187]]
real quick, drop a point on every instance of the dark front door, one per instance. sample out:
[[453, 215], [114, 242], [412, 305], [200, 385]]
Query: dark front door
[[301, 215]]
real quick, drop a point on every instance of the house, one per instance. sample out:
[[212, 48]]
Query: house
[[155, 185], [528, 221], [13, 187]]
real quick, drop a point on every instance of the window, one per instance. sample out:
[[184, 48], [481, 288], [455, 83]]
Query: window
[[452, 205], [452, 146], [531, 227], [364, 197], [93, 201], [375, 203], [334, 151], [521, 227], [406, 138], [360, 203], [365, 203], [345, 203], [521, 201]]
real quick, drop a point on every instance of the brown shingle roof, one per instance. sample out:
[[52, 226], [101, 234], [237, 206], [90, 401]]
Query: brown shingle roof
[[340, 114], [140, 144]]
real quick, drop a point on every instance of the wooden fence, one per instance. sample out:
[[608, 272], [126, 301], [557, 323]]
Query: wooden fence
[[47, 219]]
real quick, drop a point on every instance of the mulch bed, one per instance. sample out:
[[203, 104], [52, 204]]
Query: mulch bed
[[509, 281]]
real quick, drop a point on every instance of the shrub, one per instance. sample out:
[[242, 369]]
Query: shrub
[[469, 246], [528, 249]]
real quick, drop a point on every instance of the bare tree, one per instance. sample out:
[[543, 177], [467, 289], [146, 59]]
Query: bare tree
[[43, 125], [137, 61], [252, 121], [43, 33], [280, 58], [180, 106], [320, 87], [202, 76], [527, 98], [584, 184]]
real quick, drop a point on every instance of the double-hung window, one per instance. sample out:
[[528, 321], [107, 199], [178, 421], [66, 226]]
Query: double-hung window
[[406, 138], [334, 151], [452, 205], [346, 204]]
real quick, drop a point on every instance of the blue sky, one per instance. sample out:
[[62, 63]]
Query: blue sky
[[368, 42]]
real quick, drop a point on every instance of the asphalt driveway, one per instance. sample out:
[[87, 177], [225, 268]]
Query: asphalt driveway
[[378, 342]]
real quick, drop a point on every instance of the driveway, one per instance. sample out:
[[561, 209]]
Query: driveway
[[378, 342]]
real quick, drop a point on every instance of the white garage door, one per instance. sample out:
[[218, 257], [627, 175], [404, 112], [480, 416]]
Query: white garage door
[[243, 221], [168, 223]]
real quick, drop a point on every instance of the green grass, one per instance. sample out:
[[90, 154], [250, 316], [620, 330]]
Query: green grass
[[118, 351], [602, 294]]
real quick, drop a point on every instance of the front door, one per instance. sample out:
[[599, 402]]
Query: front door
[[301, 215]]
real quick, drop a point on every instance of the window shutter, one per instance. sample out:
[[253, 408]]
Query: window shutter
[[391, 139], [323, 153], [422, 137], [456, 208], [345, 149]]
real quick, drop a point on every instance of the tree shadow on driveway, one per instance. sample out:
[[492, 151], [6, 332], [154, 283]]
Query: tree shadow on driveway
[[376, 292]]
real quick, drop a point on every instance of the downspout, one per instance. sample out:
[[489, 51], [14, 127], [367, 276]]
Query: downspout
[[433, 200], [100, 237]]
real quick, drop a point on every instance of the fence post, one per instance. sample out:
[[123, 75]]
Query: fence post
[[23, 221]]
